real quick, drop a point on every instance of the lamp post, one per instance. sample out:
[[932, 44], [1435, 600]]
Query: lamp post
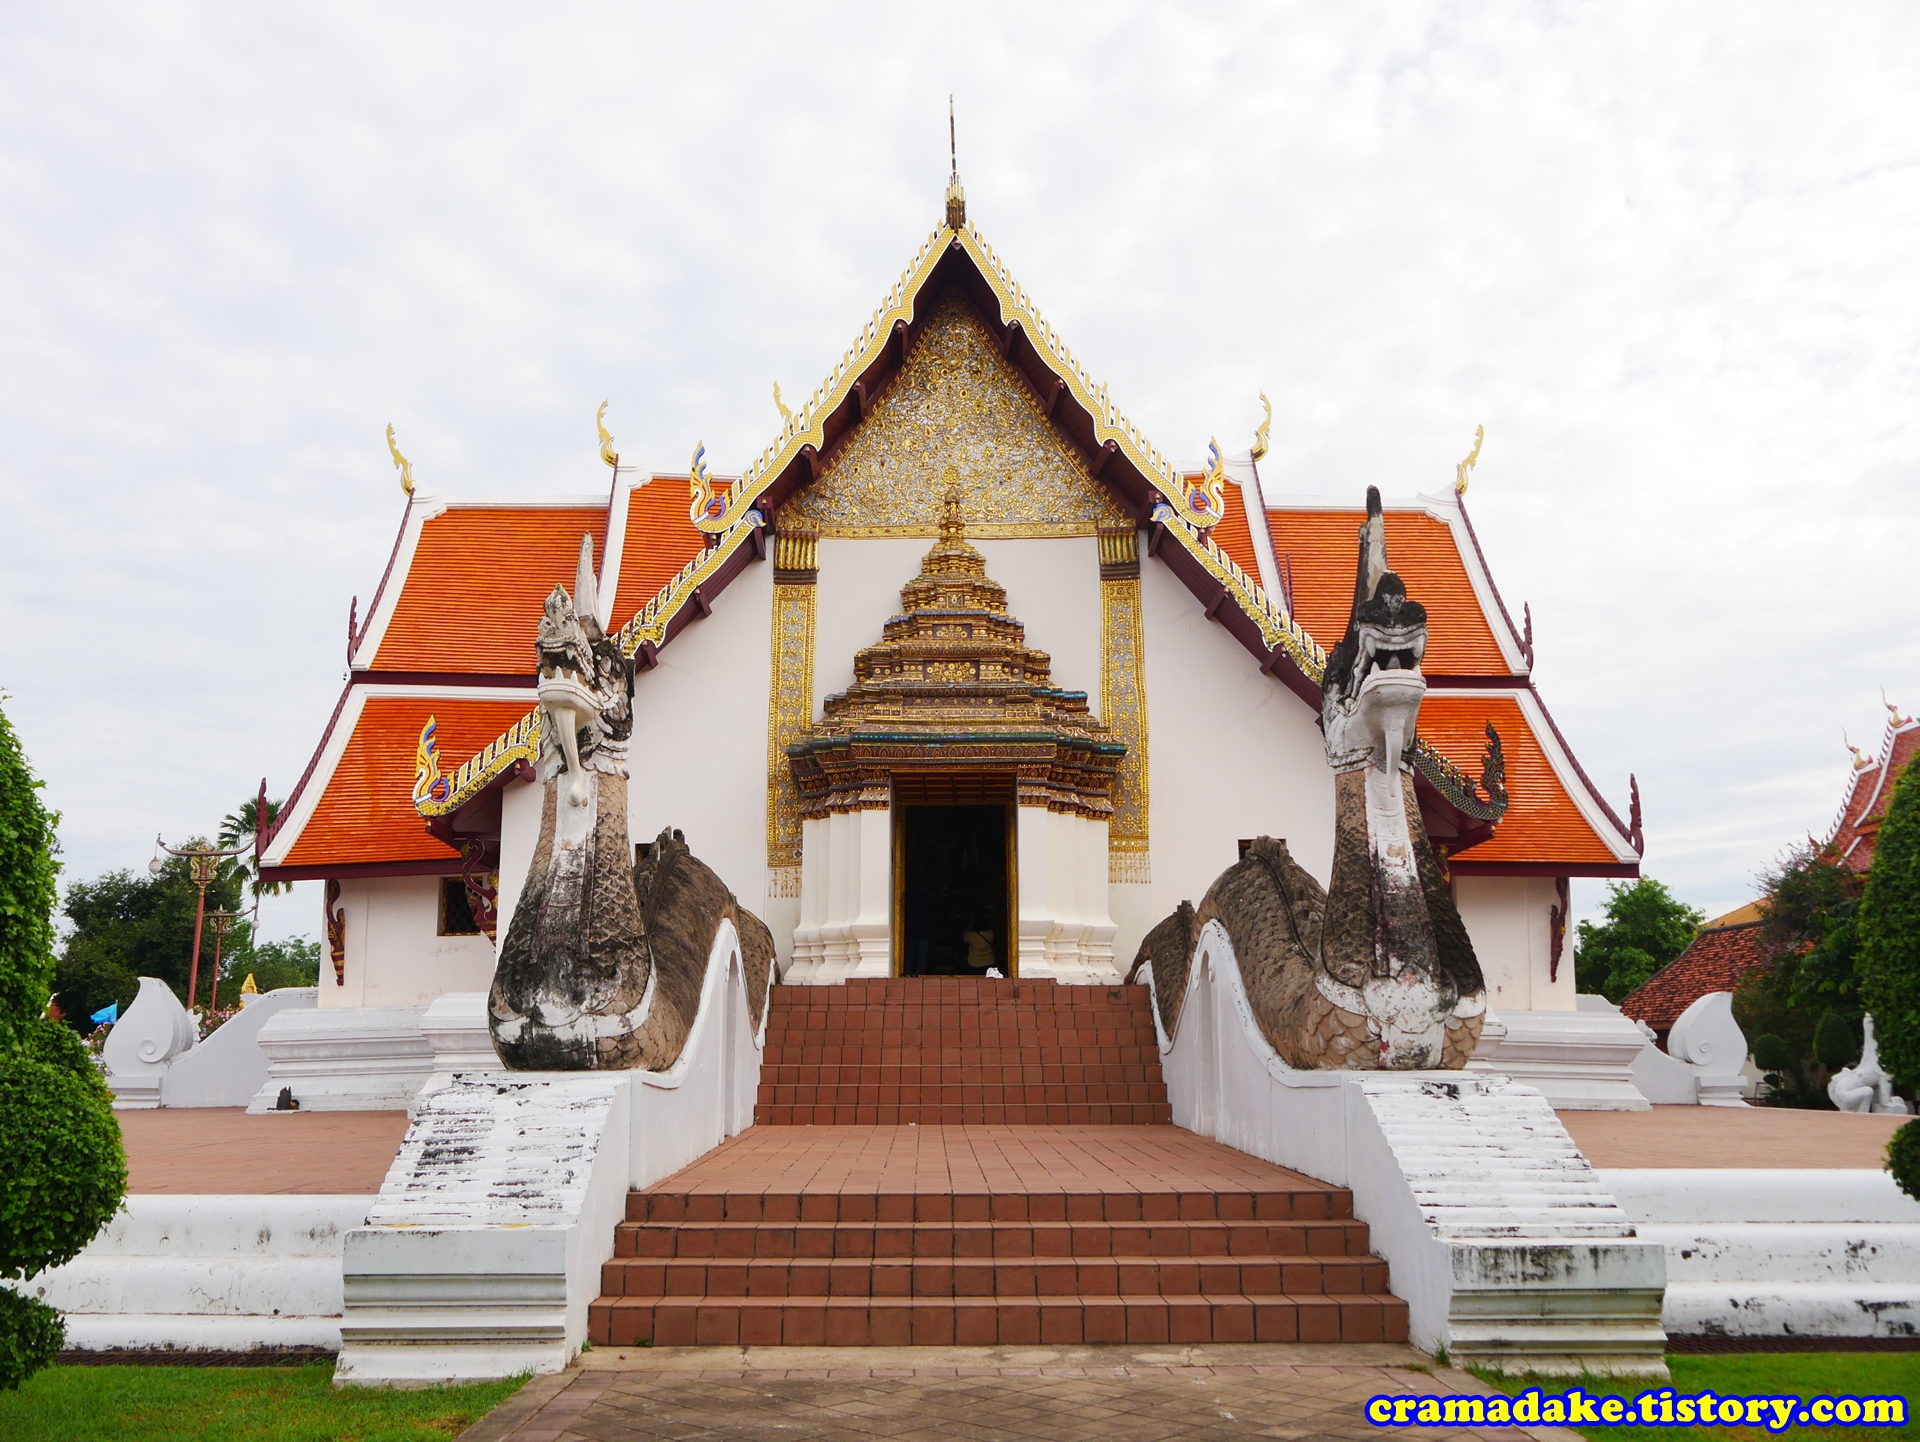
[[221, 921], [203, 865]]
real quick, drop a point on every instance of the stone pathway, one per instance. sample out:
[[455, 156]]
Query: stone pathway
[[981, 1394], [1732, 1137], [222, 1150]]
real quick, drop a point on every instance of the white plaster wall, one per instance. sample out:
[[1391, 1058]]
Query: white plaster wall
[[1509, 920], [698, 759], [1231, 754], [519, 831], [394, 955], [1053, 588]]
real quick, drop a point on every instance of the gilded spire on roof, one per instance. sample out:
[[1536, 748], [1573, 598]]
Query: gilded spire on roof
[[956, 196], [400, 462]]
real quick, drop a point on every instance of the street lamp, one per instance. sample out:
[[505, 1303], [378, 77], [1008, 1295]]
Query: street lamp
[[221, 921], [203, 865]]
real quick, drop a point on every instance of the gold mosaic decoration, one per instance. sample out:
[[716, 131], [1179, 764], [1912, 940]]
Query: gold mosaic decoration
[[957, 411], [1123, 702], [789, 718]]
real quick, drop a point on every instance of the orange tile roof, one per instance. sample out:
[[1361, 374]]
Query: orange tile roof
[[1715, 961], [472, 597], [659, 541], [1869, 793], [1542, 824], [366, 814], [1321, 548], [1232, 534]]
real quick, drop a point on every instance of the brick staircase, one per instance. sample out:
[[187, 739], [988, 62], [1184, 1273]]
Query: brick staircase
[[952, 1162], [956, 1050]]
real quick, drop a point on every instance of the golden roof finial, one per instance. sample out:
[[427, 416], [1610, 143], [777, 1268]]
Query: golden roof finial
[[1460, 471], [247, 987], [400, 462], [607, 452], [1894, 711], [1861, 761], [786, 416], [956, 195], [1260, 436]]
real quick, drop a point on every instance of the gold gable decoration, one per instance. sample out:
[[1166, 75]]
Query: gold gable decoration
[[957, 408], [953, 686]]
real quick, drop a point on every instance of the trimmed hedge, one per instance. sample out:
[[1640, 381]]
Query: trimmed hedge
[[63, 1171], [1890, 933]]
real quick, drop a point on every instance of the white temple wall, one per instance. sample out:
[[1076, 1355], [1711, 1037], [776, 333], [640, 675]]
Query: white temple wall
[[1053, 588], [700, 738], [1509, 920], [520, 805], [1231, 754], [395, 956]]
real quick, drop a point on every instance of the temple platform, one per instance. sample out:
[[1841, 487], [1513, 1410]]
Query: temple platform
[[222, 1151], [1744, 1137]]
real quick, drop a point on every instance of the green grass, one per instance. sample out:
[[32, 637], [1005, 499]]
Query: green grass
[[224, 1404], [1753, 1374]]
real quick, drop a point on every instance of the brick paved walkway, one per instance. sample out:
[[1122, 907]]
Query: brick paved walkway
[[1731, 1137], [222, 1150], [1007, 1394]]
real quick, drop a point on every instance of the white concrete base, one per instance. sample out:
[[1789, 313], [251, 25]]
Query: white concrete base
[[1495, 1229], [1578, 1060], [208, 1273], [345, 1059], [455, 1026], [228, 1068], [1779, 1252], [484, 1249]]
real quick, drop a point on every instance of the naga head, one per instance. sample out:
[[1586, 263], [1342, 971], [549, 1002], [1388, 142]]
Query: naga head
[[1371, 693]]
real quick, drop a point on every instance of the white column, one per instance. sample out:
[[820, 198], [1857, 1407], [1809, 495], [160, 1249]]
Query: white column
[[1065, 930], [846, 898]]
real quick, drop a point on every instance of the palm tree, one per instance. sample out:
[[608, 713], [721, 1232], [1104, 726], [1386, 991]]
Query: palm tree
[[240, 827]]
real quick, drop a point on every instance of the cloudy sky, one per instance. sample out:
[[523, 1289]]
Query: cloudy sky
[[1665, 254]]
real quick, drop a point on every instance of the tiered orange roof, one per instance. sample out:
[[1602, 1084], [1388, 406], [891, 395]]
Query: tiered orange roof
[[659, 541], [1857, 827], [1541, 823], [472, 597], [1233, 534], [1320, 548], [366, 814]]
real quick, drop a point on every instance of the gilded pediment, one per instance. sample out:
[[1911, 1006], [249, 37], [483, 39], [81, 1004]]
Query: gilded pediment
[[957, 410]]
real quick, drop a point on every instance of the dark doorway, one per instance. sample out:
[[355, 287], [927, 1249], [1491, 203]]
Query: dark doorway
[[952, 889]]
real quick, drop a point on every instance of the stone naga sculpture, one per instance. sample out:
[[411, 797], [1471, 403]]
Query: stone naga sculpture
[[605, 960], [1375, 971]]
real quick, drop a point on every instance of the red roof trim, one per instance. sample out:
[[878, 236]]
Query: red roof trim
[[293, 796]]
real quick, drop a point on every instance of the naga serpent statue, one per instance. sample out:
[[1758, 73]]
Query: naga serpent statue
[[606, 958], [1376, 971]]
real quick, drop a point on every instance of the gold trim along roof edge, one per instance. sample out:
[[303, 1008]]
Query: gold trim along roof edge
[[807, 427], [521, 741]]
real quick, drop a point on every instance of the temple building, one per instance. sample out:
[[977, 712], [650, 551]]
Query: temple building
[[960, 676]]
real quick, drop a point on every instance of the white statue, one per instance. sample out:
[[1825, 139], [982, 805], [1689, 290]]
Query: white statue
[[1865, 1087]]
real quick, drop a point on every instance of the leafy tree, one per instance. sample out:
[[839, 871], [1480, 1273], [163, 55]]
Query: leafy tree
[[1889, 933], [272, 964], [1646, 927], [65, 1172], [126, 926], [238, 829], [1808, 992]]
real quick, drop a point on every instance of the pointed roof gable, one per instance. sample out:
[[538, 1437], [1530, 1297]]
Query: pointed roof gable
[[1870, 791]]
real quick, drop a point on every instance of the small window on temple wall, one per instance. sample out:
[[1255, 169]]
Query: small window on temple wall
[[456, 912]]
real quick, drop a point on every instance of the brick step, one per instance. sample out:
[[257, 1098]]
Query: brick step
[[935, 1240], [999, 1277], [1305, 1203], [944, 1321], [953, 1050]]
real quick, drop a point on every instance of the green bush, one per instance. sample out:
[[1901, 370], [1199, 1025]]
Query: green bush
[[1835, 1044], [1903, 1158], [1771, 1053], [62, 1169], [1646, 927], [31, 1336], [1889, 931]]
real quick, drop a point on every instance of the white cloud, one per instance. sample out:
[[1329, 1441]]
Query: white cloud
[[1663, 253]]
